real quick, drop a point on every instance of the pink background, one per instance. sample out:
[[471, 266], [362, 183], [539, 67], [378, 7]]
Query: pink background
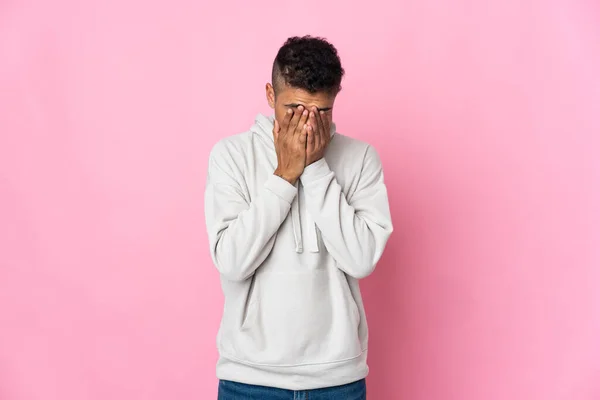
[[487, 117]]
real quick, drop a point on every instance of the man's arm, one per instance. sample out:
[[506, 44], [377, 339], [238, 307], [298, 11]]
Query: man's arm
[[241, 234], [354, 230]]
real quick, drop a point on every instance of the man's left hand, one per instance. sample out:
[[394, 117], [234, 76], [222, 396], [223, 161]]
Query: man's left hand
[[318, 135]]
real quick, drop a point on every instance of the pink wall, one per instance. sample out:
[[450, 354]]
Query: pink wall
[[487, 117]]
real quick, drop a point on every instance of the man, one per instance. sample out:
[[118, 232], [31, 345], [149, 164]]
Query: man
[[296, 214]]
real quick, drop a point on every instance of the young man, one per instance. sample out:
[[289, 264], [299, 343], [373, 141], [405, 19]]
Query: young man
[[296, 214]]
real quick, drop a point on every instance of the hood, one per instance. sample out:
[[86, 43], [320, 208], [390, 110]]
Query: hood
[[263, 126]]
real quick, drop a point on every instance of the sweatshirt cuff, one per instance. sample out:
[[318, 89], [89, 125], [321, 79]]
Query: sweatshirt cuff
[[282, 188], [317, 170]]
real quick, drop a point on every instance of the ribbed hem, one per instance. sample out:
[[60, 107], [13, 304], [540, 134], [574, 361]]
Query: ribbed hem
[[299, 377], [281, 188]]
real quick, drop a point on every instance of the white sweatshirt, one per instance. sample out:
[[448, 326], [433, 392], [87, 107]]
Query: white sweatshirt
[[290, 258]]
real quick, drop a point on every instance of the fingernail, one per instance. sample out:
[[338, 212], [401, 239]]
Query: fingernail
[[289, 111], [312, 114], [304, 112]]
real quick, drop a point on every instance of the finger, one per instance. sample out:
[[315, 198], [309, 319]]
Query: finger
[[300, 129], [286, 120], [310, 139], [318, 120], [276, 129], [326, 127], [285, 123], [314, 123], [302, 136], [293, 126]]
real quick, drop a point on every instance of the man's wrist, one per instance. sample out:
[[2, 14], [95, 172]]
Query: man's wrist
[[291, 178]]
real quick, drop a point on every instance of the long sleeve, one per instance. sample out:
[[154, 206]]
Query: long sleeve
[[241, 232], [354, 229]]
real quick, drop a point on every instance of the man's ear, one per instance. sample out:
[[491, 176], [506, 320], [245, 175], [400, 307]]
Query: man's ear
[[270, 91]]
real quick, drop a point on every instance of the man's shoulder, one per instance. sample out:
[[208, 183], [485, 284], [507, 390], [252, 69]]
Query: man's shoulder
[[231, 146], [352, 149], [349, 142]]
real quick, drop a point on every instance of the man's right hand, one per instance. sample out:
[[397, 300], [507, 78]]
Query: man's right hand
[[290, 144]]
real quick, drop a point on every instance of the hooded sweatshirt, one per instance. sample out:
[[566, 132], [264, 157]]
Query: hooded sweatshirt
[[290, 257]]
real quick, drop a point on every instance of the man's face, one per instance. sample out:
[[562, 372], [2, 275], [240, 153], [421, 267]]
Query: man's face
[[289, 97]]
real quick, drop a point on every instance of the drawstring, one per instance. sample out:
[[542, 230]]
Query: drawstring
[[313, 240], [296, 224]]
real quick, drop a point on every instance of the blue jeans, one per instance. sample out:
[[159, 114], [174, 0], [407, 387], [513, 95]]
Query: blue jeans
[[239, 391]]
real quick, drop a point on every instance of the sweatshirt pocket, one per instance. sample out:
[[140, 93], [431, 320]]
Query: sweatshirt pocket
[[309, 317]]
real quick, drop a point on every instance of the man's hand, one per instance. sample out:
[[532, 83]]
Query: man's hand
[[290, 144], [318, 136]]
